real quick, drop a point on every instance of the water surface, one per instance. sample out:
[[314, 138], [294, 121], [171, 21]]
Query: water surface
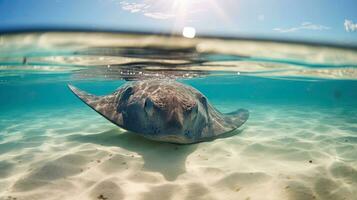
[[299, 143]]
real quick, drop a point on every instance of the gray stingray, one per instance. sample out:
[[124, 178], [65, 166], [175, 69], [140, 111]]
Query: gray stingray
[[164, 110]]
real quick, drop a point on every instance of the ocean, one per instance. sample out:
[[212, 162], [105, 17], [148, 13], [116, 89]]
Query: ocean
[[298, 143]]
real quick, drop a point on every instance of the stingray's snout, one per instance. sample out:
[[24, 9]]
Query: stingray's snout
[[170, 116], [175, 119], [149, 107]]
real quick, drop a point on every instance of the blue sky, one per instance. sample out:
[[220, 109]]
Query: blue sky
[[314, 20]]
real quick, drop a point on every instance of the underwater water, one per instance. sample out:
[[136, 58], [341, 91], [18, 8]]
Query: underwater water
[[300, 141]]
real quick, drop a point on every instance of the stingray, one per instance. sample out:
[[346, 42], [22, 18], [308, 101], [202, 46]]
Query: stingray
[[164, 110]]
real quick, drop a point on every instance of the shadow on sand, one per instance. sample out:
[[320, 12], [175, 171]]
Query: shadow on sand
[[165, 158]]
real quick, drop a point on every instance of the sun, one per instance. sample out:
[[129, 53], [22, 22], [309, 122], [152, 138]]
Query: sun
[[188, 32], [187, 15]]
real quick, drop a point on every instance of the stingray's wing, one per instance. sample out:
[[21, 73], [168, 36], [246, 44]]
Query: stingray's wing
[[222, 125], [104, 105], [237, 118]]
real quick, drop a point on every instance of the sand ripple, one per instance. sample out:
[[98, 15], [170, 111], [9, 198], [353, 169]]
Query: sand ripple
[[287, 153]]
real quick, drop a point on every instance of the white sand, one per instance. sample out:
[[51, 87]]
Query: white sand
[[76, 154]]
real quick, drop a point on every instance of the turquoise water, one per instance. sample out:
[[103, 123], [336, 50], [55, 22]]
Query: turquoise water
[[299, 142]]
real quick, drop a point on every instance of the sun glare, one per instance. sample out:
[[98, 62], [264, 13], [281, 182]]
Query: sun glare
[[187, 14], [188, 32]]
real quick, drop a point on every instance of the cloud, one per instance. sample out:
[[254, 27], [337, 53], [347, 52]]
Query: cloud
[[303, 26], [350, 26], [158, 15], [161, 9], [147, 8], [133, 7]]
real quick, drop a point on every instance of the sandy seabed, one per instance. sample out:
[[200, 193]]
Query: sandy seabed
[[280, 153]]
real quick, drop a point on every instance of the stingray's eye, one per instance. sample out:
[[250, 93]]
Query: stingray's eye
[[203, 100], [126, 94], [129, 90], [149, 106]]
